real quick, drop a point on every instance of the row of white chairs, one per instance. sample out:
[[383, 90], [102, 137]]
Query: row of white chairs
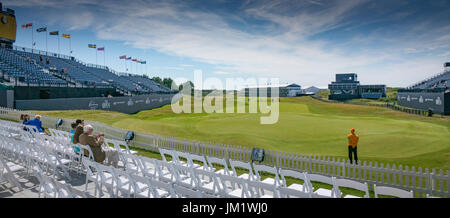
[[185, 175], [19, 148], [252, 175]]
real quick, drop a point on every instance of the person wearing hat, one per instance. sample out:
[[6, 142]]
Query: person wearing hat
[[352, 146]]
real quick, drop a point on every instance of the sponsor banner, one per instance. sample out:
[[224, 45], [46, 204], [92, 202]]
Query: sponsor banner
[[423, 101], [124, 104]]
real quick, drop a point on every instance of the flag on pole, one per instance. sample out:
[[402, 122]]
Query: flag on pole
[[134, 59], [143, 62], [54, 33], [128, 58], [67, 36], [123, 57], [101, 48], [42, 29], [92, 45], [26, 26]]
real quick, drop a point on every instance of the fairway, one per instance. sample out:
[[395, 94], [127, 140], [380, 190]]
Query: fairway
[[305, 126]]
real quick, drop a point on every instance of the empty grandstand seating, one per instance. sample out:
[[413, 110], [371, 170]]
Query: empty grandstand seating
[[35, 67], [146, 82], [59, 64], [25, 69], [110, 77], [441, 80]]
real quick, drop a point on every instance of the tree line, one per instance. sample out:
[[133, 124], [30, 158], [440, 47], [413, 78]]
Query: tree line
[[169, 83]]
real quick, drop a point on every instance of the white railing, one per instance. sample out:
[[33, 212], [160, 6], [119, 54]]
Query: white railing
[[421, 180]]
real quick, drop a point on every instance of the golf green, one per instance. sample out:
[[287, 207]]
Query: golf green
[[305, 126]]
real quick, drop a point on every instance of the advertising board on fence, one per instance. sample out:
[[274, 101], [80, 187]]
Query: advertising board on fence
[[438, 101], [125, 104]]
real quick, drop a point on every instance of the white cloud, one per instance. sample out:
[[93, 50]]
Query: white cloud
[[222, 73], [174, 68], [281, 48]]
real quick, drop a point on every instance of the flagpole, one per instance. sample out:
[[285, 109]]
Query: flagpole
[[104, 57], [59, 48], [46, 41], [32, 38], [96, 62], [70, 46]]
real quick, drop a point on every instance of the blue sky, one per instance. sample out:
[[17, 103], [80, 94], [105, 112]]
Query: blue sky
[[303, 41]]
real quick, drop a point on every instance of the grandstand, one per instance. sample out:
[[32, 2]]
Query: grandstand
[[23, 67], [35, 75], [17, 68], [440, 80], [147, 82], [429, 94]]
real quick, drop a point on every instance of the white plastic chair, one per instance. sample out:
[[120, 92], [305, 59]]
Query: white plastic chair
[[258, 189], [161, 167], [286, 192], [162, 189], [88, 149], [165, 152], [142, 186], [234, 187], [123, 182], [184, 155], [271, 170], [106, 179], [208, 182], [220, 162], [305, 187], [183, 192], [353, 185], [389, 191], [117, 145], [242, 165], [48, 187], [164, 171], [63, 190], [131, 162], [203, 163], [323, 179], [53, 160], [184, 176], [7, 173], [147, 167], [92, 176]]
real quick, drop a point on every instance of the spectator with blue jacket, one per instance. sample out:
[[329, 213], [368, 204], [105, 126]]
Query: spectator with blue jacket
[[36, 122]]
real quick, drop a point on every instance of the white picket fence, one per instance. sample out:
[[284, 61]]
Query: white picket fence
[[422, 181]]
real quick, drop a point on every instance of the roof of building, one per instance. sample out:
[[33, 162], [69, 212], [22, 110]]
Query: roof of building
[[274, 86]]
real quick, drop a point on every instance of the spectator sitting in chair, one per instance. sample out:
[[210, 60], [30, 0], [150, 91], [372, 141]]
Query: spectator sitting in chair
[[22, 118], [95, 143], [37, 123], [74, 126], [78, 131]]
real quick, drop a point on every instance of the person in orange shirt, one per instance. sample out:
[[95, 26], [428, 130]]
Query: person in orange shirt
[[352, 146]]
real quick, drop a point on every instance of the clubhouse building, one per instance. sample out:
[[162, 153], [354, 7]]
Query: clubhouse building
[[347, 87], [285, 90]]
